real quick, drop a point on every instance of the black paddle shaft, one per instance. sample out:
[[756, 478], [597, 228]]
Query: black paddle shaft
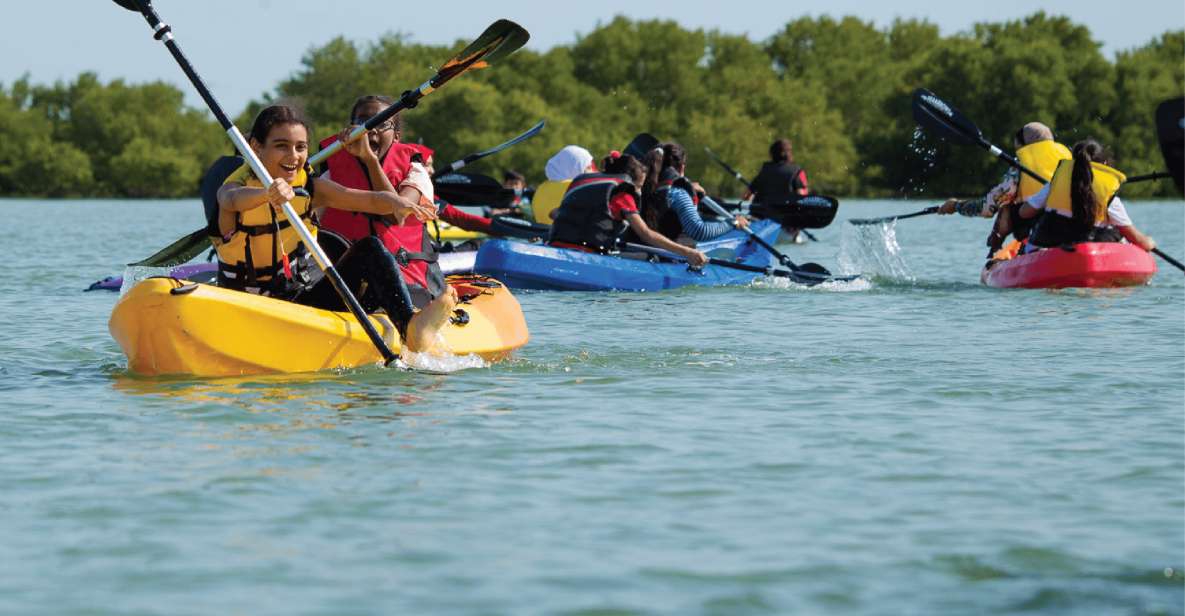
[[874, 221], [736, 174], [164, 33]]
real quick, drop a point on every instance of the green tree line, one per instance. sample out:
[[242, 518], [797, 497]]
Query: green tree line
[[838, 88]]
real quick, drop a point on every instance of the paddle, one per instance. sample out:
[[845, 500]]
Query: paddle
[[180, 251], [937, 115], [509, 226], [877, 221], [1170, 131], [531, 132], [812, 269], [800, 276], [740, 178], [499, 40]]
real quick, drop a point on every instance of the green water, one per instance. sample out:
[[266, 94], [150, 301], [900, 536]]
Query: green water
[[919, 444]]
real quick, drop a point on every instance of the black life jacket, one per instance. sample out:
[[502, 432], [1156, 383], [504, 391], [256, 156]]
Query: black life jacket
[[583, 216], [776, 183], [656, 208]]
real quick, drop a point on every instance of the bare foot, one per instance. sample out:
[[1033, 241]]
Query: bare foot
[[423, 328]]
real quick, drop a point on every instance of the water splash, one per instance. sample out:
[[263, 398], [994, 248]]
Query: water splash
[[134, 274], [430, 362], [873, 249], [831, 286]]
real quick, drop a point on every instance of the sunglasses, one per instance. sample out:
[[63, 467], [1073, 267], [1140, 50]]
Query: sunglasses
[[385, 126]]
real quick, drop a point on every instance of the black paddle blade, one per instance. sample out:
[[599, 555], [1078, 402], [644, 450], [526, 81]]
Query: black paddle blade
[[132, 5], [507, 226], [641, 144], [472, 189], [943, 120], [809, 212], [1170, 131], [501, 39]]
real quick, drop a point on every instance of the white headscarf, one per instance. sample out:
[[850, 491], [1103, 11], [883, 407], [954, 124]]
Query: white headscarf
[[568, 163]]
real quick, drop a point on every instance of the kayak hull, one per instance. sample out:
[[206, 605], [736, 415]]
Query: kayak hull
[[1089, 265], [541, 267], [169, 326]]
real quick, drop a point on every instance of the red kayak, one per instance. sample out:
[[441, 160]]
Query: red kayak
[[1089, 264]]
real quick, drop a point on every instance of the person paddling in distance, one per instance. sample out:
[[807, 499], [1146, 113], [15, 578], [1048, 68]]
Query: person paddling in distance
[[258, 252], [779, 181], [1081, 204], [671, 201], [597, 208], [1036, 149]]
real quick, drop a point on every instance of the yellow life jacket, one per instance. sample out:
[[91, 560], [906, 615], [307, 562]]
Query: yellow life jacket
[[1042, 157], [251, 257], [1106, 183], [548, 196]]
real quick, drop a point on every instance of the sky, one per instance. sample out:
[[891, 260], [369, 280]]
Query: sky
[[243, 48]]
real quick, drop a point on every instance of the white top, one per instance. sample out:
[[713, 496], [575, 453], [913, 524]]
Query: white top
[[568, 163], [1116, 213]]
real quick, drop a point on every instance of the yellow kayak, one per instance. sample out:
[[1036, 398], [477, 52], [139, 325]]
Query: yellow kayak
[[169, 326]]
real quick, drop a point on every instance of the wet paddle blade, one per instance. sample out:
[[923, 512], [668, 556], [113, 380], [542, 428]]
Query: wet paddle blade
[[1170, 131], [501, 39], [132, 5], [941, 119], [180, 251]]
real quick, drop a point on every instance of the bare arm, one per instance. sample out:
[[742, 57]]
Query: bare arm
[[331, 194], [1137, 237], [1028, 211]]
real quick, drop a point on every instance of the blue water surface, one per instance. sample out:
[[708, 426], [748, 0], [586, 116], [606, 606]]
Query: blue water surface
[[915, 443]]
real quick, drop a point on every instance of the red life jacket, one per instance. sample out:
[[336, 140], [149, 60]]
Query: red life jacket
[[409, 242]]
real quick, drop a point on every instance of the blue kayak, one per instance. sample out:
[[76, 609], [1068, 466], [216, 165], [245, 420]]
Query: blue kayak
[[537, 266]]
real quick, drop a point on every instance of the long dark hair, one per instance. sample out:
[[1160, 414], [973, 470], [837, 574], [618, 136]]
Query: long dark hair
[[652, 161], [626, 165], [1082, 199], [673, 155], [271, 117], [386, 101], [781, 151]]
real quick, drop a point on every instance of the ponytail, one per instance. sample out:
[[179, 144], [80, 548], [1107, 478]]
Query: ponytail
[[1082, 199], [673, 155], [653, 165]]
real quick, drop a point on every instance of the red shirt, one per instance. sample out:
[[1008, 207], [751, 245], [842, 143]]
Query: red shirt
[[458, 218], [622, 205]]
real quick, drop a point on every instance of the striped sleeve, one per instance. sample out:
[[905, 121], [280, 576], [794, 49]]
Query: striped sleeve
[[693, 225]]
